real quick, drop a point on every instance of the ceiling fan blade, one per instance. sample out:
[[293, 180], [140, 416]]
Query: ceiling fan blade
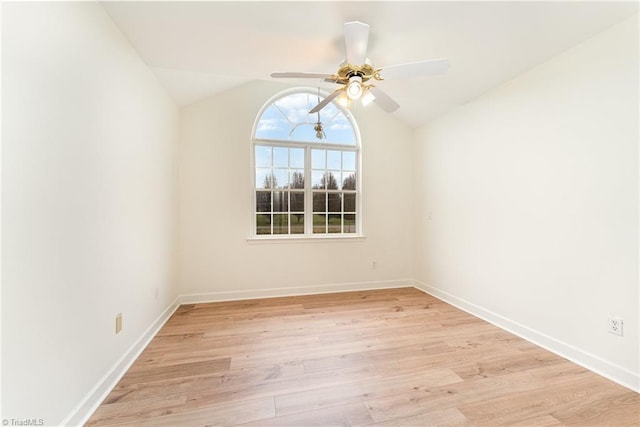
[[383, 100], [415, 69], [326, 100], [356, 38], [303, 75]]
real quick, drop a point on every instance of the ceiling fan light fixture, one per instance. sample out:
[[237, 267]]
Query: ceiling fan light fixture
[[367, 97], [319, 130], [344, 100], [354, 88]]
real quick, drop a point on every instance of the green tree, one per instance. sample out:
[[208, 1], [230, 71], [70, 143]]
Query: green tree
[[329, 181], [297, 180], [349, 182], [270, 181]]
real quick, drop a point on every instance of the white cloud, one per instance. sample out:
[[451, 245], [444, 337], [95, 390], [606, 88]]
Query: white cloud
[[266, 125]]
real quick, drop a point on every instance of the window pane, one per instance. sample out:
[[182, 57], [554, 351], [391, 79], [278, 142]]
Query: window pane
[[349, 182], [338, 128], [335, 224], [280, 201], [272, 125], [296, 179], [318, 159], [280, 224], [296, 158], [333, 159], [349, 223], [334, 202], [349, 160], [317, 179], [329, 181], [349, 202], [297, 202], [304, 132], [280, 157], [264, 178], [263, 156], [263, 224], [297, 223], [281, 178], [334, 180], [263, 201], [319, 223], [319, 202]]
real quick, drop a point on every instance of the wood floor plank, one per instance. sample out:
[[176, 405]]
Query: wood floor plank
[[450, 417], [140, 374], [538, 421], [353, 415], [395, 357], [115, 412], [622, 406], [215, 416], [497, 363]]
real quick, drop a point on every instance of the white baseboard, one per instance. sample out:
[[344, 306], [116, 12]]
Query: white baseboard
[[81, 413], [587, 360], [287, 292]]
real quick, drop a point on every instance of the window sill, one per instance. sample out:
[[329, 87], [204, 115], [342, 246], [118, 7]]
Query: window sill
[[304, 239]]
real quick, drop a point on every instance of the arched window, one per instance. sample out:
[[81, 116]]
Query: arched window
[[305, 168]]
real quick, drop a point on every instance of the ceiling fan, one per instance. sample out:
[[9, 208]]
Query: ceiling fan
[[356, 74]]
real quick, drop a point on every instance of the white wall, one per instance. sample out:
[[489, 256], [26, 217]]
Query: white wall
[[215, 214], [533, 190], [88, 203]]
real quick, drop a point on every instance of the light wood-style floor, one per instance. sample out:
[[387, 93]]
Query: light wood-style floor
[[382, 358]]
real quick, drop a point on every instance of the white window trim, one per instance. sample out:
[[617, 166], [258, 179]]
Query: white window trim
[[298, 238]]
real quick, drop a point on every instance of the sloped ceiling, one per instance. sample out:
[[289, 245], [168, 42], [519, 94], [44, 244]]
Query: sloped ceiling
[[199, 49]]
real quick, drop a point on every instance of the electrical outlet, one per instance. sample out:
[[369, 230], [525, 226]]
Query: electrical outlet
[[374, 265], [118, 323], [156, 292], [615, 325]]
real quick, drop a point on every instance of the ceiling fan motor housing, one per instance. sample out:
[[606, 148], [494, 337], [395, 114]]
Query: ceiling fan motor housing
[[365, 72]]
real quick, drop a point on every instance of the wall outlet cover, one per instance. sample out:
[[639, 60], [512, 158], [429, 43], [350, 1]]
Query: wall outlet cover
[[118, 323], [615, 325]]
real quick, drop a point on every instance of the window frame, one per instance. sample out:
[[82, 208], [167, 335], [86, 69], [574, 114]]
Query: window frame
[[308, 234]]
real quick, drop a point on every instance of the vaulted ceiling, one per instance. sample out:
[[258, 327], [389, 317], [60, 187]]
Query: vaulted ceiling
[[199, 49]]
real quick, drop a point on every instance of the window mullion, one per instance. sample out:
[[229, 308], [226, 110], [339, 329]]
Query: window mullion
[[308, 193], [289, 191]]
